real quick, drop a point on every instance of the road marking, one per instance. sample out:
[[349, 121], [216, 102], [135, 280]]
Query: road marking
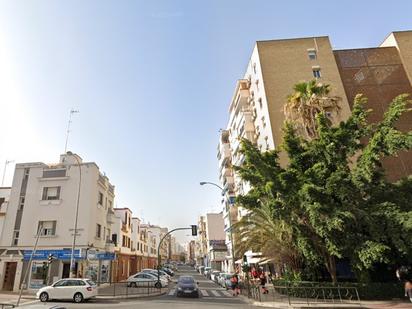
[[226, 293], [204, 292], [215, 293], [172, 292]]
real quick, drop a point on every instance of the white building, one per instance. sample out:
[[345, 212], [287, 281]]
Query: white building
[[44, 198], [4, 201]]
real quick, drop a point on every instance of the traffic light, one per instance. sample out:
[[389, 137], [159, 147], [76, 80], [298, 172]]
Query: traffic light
[[50, 258], [194, 230]]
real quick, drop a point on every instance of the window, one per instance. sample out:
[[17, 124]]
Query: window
[[263, 122], [316, 73], [15, 238], [257, 84], [254, 68], [260, 103], [51, 193], [110, 204], [312, 54], [100, 198], [98, 230], [47, 228], [21, 203]]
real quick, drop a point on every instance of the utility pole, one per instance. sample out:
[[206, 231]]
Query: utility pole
[[72, 111]]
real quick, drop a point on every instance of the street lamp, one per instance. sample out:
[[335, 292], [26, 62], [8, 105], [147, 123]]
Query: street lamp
[[72, 260], [202, 183]]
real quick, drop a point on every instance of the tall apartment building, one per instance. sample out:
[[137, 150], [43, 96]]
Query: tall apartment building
[[216, 247], [256, 108], [43, 198]]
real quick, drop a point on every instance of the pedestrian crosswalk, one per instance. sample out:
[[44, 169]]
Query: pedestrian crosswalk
[[206, 293]]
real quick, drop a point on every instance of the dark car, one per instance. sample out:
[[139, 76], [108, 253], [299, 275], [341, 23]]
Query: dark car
[[186, 285]]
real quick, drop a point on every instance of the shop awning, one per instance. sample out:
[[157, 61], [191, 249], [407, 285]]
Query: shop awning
[[267, 260]]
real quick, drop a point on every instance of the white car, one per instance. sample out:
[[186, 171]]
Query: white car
[[154, 272], [146, 279], [76, 289]]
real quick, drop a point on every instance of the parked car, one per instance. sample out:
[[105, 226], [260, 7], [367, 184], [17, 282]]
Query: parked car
[[154, 272], [206, 272], [76, 289], [143, 279], [186, 285], [224, 280], [168, 271], [214, 275]]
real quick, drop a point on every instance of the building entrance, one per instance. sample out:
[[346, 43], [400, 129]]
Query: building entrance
[[9, 275]]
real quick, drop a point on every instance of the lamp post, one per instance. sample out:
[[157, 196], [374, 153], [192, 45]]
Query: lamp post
[[72, 259], [202, 183]]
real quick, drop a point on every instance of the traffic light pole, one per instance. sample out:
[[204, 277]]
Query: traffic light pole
[[159, 260]]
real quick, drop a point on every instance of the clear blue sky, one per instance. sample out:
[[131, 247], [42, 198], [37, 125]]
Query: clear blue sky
[[152, 81]]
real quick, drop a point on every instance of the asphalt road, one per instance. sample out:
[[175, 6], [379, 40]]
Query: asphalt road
[[212, 296]]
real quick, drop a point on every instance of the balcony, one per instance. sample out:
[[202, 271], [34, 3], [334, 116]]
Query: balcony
[[109, 246], [241, 96], [224, 153], [110, 217]]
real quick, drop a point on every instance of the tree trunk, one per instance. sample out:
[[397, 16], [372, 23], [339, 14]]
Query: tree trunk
[[331, 267]]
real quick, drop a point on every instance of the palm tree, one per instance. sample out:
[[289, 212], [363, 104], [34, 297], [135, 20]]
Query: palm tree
[[308, 100], [260, 232]]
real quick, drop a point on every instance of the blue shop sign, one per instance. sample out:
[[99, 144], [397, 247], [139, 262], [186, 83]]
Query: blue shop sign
[[105, 256], [58, 254]]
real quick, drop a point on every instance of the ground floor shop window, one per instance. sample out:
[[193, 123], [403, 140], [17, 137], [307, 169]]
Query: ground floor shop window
[[38, 275]]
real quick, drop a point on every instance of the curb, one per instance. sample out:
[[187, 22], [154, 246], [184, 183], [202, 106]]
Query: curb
[[129, 297]]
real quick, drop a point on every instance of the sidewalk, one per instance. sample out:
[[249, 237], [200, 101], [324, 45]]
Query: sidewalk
[[386, 304]]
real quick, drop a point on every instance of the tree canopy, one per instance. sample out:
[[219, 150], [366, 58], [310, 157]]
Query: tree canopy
[[333, 197]]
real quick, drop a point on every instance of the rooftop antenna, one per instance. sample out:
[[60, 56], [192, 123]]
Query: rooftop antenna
[[72, 111], [4, 170]]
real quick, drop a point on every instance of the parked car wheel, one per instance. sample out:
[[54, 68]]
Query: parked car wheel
[[133, 285], [78, 298], [44, 297], [158, 285]]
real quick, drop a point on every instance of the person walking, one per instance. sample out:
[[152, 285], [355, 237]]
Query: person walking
[[263, 281], [403, 275], [235, 285]]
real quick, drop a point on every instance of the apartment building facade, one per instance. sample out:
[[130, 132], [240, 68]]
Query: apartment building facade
[[43, 200], [215, 234], [256, 108]]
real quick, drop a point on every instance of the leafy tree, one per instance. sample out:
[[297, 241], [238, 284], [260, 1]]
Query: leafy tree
[[332, 196], [260, 231]]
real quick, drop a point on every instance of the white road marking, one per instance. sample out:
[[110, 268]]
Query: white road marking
[[215, 293], [226, 293], [204, 292], [172, 292]]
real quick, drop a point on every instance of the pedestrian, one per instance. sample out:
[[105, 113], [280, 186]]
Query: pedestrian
[[263, 281], [235, 285], [403, 274]]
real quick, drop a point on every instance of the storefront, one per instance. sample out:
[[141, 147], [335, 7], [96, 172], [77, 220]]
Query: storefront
[[88, 264]]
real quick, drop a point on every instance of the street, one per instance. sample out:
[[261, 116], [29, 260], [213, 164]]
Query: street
[[212, 295]]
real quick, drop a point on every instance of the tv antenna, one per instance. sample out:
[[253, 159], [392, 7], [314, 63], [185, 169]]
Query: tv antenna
[[72, 111]]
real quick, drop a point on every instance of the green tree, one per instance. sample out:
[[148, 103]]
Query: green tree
[[308, 100], [333, 196]]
